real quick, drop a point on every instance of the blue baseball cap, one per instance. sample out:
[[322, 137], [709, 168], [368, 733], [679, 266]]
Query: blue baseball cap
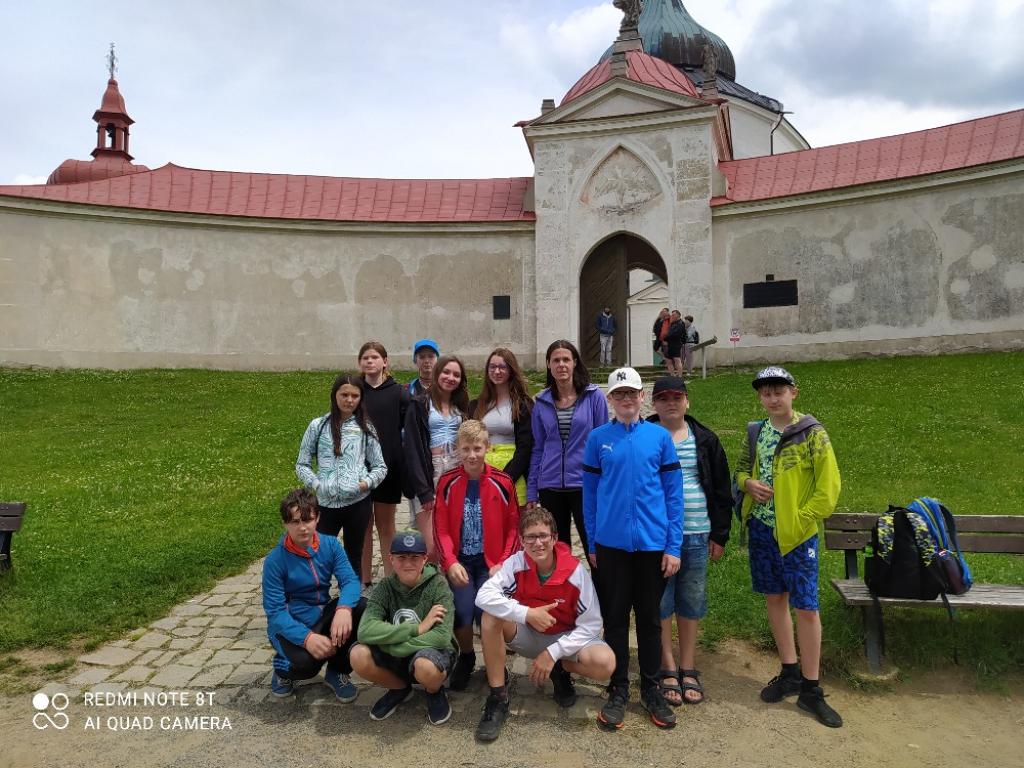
[[425, 343], [408, 542]]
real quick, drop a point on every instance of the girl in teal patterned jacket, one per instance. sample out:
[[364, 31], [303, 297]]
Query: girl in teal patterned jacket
[[349, 464]]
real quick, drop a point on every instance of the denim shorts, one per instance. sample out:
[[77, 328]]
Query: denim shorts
[[685, 593], [773, 574], [466, 612]]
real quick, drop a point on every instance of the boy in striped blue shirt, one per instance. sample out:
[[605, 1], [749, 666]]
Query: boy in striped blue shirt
[[707, 517]]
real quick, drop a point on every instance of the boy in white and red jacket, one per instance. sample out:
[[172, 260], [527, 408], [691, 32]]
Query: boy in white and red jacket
[[476, 526], [542, 604]]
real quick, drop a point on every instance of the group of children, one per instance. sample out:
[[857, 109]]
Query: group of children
[[657, 506]]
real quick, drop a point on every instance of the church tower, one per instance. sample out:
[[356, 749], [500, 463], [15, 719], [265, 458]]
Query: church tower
[[110, 156]]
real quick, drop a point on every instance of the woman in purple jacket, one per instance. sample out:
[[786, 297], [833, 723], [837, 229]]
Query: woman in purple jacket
[[563, 416]]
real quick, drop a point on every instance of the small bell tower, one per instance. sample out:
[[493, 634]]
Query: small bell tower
[[111, 118]]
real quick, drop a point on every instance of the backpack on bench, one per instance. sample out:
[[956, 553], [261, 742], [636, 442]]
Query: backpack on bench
[[915, 554]]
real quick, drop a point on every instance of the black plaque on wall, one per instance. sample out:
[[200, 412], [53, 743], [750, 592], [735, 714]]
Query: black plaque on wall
[[775, 293]]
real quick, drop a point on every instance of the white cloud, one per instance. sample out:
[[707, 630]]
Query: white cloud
[[840, 119], [562, 50], [27, 179]]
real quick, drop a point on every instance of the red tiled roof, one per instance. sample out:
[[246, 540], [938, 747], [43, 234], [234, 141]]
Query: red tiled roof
[[643, 68], [313, 198], [950, 147], [75, 171]]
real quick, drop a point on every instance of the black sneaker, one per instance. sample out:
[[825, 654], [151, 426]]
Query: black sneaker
[[565, 691], [614, 710], [813, 701], [438, 708], [659, 710], [385, 706], [782, 685], [463, 670], [493, 718]]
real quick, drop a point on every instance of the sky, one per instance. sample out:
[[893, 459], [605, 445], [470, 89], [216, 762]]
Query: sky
[[431, 88]]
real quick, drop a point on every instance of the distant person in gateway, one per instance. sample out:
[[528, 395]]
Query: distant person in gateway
[[606, 330]]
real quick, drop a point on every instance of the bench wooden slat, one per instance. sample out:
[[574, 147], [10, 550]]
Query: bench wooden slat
[[995, 543], [850, 521], [1001, 544], [996, 596], [847, 539], [11, 513], [859, 521], [989, 523]]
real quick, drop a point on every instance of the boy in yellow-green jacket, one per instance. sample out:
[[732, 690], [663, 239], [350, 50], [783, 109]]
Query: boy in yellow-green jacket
[[791, 482]]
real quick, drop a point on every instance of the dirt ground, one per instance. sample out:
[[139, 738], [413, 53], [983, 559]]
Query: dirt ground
[[927, 721]]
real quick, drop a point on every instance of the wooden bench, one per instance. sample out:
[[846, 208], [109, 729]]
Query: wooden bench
[[11, 513], [1002, 534]]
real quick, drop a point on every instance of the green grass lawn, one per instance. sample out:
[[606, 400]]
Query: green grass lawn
[[145, 487]]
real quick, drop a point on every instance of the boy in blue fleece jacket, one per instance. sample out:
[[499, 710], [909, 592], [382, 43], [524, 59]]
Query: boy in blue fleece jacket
[[633, 512], [305, 626]]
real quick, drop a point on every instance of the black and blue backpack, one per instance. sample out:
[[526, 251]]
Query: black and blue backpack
[[915, 553]]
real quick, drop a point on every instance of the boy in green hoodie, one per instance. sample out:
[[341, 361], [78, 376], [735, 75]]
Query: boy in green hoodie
[[405, 635], [790, 486]]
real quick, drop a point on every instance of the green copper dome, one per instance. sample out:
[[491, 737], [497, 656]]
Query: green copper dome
[[669, 32]]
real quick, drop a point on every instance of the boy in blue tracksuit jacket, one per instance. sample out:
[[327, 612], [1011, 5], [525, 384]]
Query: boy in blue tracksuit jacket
[[633, 512], [305, 626]]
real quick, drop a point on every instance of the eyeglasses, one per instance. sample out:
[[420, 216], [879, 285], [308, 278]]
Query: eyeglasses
[[537, 538], [626, 394], [497, 368]]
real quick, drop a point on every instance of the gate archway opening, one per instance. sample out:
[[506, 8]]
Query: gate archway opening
[[605, 282]]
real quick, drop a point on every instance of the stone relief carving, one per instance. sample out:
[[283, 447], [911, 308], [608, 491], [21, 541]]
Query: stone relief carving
[[622, 183]]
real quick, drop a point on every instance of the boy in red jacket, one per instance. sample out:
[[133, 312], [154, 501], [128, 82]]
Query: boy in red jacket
[[476, 521], [542, 604]]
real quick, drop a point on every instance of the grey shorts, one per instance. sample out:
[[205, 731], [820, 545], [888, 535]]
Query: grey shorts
[[529, 643]]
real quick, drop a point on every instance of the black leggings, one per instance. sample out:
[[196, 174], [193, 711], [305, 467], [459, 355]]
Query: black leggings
[[634, 584], [566, 507], [352, 521], [304, 664]]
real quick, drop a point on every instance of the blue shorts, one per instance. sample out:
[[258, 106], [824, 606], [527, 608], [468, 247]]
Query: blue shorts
[[773, 574], [685, 593], [466, 612]]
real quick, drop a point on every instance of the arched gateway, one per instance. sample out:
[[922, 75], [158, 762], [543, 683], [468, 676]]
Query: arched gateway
[[604, 282]]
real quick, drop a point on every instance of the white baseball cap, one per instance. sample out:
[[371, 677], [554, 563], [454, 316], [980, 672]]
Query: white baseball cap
[[624, 377]]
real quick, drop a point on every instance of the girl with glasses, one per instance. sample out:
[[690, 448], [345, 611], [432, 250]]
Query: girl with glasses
[[505, 408]]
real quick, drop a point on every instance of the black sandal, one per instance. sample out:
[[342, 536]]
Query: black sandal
[[685, 686], [670, 688]]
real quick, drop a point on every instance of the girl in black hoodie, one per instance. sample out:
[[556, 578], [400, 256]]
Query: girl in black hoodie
[[386, 401]]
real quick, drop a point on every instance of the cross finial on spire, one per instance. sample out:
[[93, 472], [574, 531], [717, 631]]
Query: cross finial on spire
[[112, 62]]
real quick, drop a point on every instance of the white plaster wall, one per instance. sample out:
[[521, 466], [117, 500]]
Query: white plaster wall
[[676, 220], [79, 290], [642, 316], [925, 271], [752, 129]]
